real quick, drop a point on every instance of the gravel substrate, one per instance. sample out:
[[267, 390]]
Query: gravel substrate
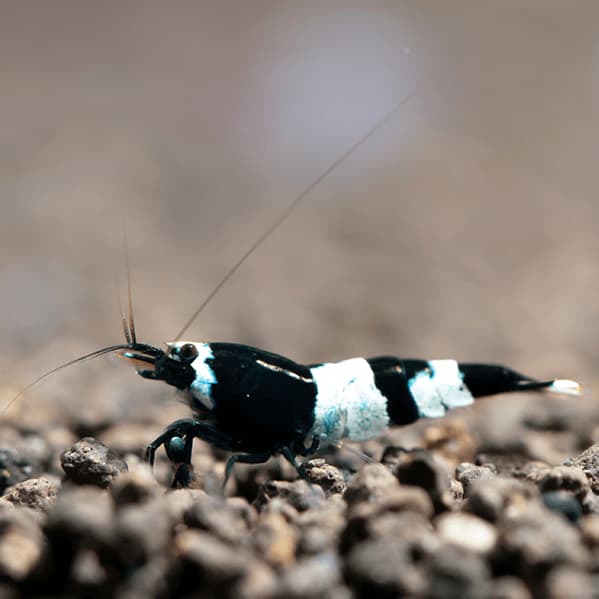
[[451, 517]]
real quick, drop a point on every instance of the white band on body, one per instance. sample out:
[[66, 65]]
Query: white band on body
[[439, 388], [348, 403], [201, 388]]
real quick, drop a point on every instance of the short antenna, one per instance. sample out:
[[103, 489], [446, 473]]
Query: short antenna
[[131, 337], [124, 322], [295, 203]]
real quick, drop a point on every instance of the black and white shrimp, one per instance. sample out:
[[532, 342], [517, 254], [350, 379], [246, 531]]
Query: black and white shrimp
[[258, 404]]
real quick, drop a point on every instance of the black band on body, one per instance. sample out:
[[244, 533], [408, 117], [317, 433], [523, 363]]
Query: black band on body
[[262, 399], [391, 376], [489, 379]]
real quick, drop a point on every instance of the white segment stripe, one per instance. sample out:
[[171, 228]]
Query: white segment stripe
[[439, 389], [201, 388], [348, 403]]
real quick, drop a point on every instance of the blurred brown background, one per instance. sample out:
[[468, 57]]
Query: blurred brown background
[[465, 228]]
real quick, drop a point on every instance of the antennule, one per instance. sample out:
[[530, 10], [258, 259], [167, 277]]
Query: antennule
[[133, 336], [124, 322]]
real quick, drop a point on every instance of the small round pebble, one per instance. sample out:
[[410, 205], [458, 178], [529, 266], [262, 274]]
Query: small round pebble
[[35, 493], [563, 503], [455, 572], [135, 486], [89, 462], [471, 474], [324, 475], [141, 531], [371, 482], [209, 560], [467, 531], [403, 498], [215, 515], [312, 577], [82, 514], [384, 568], [498, 495], [565, 478], [536, 539], [419, 468], [320, 529]]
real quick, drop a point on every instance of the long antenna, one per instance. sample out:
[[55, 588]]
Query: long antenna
[[95, 354], [294, 204]]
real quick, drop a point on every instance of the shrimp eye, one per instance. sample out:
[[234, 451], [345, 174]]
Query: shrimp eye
[[188, 352]]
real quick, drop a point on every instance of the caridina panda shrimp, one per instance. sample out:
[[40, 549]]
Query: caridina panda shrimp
[[257, 404]]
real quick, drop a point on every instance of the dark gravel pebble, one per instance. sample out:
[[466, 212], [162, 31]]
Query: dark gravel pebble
[[534, 541], [314, 576], [136, 486], [300, 494], [588, 462], [141, 532], [214, 515], [89, 462], [324, 475], [16, 467], [491, 499], [208, 562], [418, 467], [563, 503], [416, 531], [372, 481], [321, 529], [87, 572], [403, 498], [405, 514], [470, 474], [79, 532], [384, 568], [565, 478], [455, 572], [531, 471]]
